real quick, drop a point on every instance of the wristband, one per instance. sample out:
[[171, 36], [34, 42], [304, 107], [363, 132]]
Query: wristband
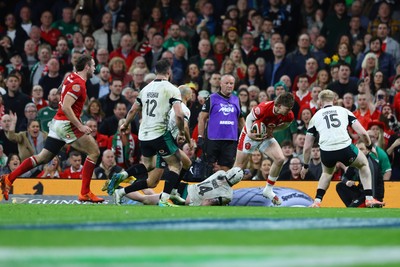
[[369, 147], [305, 166]]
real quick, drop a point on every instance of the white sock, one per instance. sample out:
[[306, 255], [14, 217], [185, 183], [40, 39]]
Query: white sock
[[369, 198], [174, 191], [318, 200]]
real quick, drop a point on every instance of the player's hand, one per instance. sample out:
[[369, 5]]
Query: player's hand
[[303, 172], [256, 137], [124, 128], [85, 129], [350, 183]]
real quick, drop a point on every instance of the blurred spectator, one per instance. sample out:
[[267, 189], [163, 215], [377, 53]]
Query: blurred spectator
[[384, 15], [244, 101], [356, 32], [88, 45], [77, 43], [204, 53], [12, 163], [29, 58], [348, 102], [101, 139], [8, 146], [118, 70], [385, 60], [17, 64], [279, 66], [15, 32], [240, 67], [52, 169], [30, 142], [315, 165], [249, 52], [52, 79], [125, 147], [294, 172], [46, 114], [174, 38], [302, 95], [107, 166], [336, 24], [94, 112], [86, 25], [344, 53], [102, 88], [107, 37], [102, 58], [263, 172], [155, 50], [138, 78], [300, 55], [109, 126], [180, 62], [109, 101], [206, 18], [66, 25], [6, 50], [366, 110], [155, 20], [37, 97], [254, 165], [311, 66], [345, 83], [14, 100], [63, 55], [389, 45], [356, 11], [279, 16], [214, 83], [74, 171], [125, 51], [369, 65], [40, 68], [25, 19]]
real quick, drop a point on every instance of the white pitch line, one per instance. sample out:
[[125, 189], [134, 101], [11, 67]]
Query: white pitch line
[[202, 256]]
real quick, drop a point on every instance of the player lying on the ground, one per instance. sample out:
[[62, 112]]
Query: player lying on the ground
[[216, 190]]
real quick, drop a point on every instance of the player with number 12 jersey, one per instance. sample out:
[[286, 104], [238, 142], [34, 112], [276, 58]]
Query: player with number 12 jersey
[[156, 104]]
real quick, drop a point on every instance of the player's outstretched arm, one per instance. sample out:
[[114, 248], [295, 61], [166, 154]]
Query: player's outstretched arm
[[307, 153], [359, 129], [129, 117]]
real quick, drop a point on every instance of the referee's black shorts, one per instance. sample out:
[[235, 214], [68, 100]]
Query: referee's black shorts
[[222, 152]]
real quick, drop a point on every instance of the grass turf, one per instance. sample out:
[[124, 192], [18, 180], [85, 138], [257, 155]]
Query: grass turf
[[21, 214]]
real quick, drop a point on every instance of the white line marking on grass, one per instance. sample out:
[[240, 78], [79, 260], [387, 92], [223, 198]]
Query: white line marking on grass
[[221, 256], [220, 224]]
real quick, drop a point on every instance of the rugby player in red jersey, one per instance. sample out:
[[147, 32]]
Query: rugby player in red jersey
[[276, 115], [66, 128]]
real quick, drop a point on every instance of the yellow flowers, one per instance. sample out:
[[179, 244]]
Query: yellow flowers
[[331, 61]]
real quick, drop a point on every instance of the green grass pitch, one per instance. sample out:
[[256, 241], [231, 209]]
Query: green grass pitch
[[44, 235]]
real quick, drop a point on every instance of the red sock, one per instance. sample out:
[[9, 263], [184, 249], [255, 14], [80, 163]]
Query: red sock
[[27, 165], [87, 173]]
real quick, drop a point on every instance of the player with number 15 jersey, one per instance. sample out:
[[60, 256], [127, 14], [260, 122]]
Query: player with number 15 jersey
[[331, 124]]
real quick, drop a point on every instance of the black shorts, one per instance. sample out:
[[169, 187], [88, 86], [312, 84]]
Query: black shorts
[[222, 152], [163, 146], [346, 156]]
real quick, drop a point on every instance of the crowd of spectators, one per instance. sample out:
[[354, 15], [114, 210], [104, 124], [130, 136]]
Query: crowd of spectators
[[269, 46]]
